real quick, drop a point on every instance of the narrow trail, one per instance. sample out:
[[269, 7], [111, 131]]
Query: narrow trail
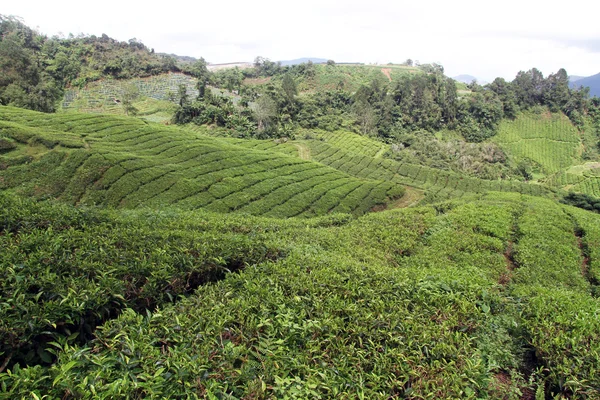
[[386, 72], [410, 198], [380, 152], [585, 259], [303, 151], [509, 253]]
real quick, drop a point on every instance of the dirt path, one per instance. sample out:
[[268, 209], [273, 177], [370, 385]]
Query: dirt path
[[303, 151], [410, 198], [386, 72]]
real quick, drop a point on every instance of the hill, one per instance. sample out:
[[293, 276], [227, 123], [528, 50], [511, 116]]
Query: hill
[[593, 82], [465, 78], [124, 162], [303, 60], [309, 231], [575, 78], [462, 299]]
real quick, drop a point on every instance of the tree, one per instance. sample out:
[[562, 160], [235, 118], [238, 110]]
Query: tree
[[182, 94], [266, 111], [130, 93], [200, 71], [289, 88], [408, 62], [529, 87], [556, 90], [507, 96]]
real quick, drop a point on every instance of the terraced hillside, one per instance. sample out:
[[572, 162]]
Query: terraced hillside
[[550, 140], [351, 77], [361, 157], [124, 162], [584, 178], [99, 96]]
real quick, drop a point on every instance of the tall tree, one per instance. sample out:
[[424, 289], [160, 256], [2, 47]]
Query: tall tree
[[200, 71]]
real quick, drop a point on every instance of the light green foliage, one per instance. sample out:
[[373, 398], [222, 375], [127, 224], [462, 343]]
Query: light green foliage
[[420, 303], [549, 140], [100, 96], [351, 77], [350, 141], [347, 152], [124, 162]]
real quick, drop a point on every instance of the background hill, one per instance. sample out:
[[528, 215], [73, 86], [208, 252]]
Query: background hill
[[303, 60], [465, 78], [593, 82]]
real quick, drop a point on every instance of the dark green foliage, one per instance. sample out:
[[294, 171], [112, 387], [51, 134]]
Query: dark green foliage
[[34, 69], [582, 200], [532, 89]]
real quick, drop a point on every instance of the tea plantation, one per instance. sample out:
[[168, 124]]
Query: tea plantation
[[493, 296], [124, 162], [146, 261]]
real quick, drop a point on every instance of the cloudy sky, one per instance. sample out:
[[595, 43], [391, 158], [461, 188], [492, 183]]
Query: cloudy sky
[[482, 38]]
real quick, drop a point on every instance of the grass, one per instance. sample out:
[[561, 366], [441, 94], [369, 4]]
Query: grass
[[123, 162]]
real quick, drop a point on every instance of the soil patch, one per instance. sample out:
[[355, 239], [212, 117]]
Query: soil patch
[[387, 72]]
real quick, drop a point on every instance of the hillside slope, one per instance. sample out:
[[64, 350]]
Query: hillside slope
[[362, 157], [124, 162], [490, 297]]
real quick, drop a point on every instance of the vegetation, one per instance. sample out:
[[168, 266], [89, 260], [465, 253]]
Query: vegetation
[[35, 69], [124, 162], [238, 254], [465, 299], [582, 200], [347, 152]]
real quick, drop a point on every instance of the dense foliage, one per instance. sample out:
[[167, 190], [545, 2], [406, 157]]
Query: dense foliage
[[582, 200], [411, 101], [34, 69], [124, 162], [484, 298]]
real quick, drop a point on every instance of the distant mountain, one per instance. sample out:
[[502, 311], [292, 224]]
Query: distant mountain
[[575, 78], [467, 79], [303, 60], [593, 82]]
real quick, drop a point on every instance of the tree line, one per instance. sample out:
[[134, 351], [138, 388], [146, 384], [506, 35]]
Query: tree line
[[35, 68], [427, 101]]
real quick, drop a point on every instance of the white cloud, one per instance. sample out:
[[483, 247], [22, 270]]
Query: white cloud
[[485, 39]]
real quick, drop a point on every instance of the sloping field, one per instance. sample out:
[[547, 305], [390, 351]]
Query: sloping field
[[352, 142], [583, 178], [124, 162], [492, 297], [99, 96], [550, 140], [351, 77], [347, 153]]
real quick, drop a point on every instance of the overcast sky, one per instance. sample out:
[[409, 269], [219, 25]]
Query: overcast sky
[[482, 38]]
